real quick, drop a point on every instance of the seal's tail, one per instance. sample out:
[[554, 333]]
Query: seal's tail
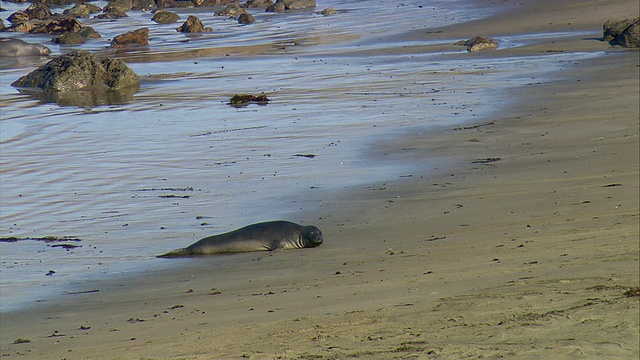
[[176, 253]]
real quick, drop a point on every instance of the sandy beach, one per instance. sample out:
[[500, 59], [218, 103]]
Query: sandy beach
[[528, 249]]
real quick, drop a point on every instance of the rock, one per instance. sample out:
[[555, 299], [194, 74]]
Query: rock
[[213, 2], [38, 10], [18, 17], [117, 5], [328, 11], [613, 28], [246, 19], [61, 2], [126, 5], [240, 100], [277, 7], [25, 26], [297, 4], [182, 4], [2, 26], [143, 5], [165, 17], [82, 10], [479, 43], [193, 25], [630, 37], [624, 33], [233, 10], [89, 33], [135, 37], [70, 39], [257, 4], [79, 70], [112, 14], [57, 27]]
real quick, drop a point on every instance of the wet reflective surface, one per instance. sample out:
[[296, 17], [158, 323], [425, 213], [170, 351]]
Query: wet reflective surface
[[174, 162]]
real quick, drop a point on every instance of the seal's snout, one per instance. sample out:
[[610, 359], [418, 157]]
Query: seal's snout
[[312, 236]]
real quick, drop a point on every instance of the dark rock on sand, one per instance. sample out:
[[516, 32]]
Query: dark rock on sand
[[57, 27], [277, 7], [89, 33], [297, 4], [213, 2], [70, 39], [183, 4], [625, 33], [112, 14], [126, 5], [38, 10], [193, 25], [18, 17], [630, 37], [613, 28], [165, 17], [479, 43], [328, 11], [246, 19], [79, 70], [232, 10], [61, 2], [135, 37], [240, 100], [83, 10], [257, 4]]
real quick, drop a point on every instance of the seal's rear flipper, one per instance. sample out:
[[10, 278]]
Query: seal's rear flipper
[[176, 253]]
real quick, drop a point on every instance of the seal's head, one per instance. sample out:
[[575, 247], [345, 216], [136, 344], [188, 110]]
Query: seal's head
[[43, 50], [310, 236]]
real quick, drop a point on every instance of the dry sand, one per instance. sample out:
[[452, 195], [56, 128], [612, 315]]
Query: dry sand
[[531, 253]]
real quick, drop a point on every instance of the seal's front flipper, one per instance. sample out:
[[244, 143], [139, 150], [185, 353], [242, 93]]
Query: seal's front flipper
[[276, 246], [176, 253]]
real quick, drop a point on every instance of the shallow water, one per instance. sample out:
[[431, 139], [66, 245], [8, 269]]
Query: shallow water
[[177, 163]]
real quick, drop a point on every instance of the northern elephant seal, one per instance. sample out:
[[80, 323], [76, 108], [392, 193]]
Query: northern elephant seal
[[269, 236], [17, 47]]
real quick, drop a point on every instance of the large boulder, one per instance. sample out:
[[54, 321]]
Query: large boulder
[[201, 3], [232, 10], [111, 14], [132, 38], [38, 10], [630, 37], [297, 4], [625, 33], [83, 10], [165, 17], [193, 25], [612, 28], [80, 70], [70, 39], [246, 19], [257, 4], [57, 27]]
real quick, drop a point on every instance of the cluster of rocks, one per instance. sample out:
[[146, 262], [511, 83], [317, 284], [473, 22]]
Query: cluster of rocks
[[39, 19], [625, 33], [87, 75]]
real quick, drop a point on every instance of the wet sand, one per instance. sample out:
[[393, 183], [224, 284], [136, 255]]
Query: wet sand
[[528, 249]]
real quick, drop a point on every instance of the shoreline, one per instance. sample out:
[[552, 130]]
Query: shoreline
[[527, 254]]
